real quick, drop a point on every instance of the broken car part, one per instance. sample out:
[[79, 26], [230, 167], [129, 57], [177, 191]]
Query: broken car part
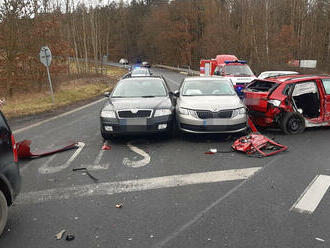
[[24, 149]]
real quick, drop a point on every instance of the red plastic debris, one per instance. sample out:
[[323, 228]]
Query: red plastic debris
[[24, 149], [258, 144], [106, 147], [210, 153]]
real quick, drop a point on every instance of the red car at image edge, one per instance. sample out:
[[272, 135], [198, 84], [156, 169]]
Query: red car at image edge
[[290, 102]]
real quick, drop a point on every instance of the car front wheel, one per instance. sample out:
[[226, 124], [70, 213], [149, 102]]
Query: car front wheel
[[3, 211], [293, 123]]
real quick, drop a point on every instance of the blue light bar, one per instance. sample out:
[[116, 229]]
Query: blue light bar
[[235, 61]]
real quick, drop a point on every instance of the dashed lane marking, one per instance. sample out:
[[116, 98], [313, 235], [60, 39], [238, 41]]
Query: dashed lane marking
[[312, 196], [110, 188], [46, 169]]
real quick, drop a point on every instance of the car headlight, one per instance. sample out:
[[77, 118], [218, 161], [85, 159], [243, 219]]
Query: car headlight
[[108, 114], [276, 103], [184, 111], [240, 111], [162, 112]]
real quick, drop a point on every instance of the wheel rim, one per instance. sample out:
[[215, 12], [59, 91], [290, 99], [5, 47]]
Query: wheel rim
[[294, 124]]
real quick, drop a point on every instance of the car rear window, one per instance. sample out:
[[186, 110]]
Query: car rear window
[[260, 85]]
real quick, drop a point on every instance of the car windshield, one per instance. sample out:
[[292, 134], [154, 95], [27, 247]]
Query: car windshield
[[238, 70], [140, 88], [143, 72], [207, 88]]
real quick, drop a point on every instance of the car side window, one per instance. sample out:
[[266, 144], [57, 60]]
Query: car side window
[[326, 85]]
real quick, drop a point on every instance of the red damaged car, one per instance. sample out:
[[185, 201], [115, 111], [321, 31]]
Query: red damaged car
[[289, 102]]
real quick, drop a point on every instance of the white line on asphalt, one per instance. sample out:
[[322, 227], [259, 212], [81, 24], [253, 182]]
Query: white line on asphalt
[[110, 188], [139, 163], [46, 169], [312, 195], [97, 165], [56, 117], [182, 228]]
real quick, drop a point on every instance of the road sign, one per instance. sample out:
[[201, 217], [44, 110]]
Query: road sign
[[45, 56], [308, 63], [46, 59]]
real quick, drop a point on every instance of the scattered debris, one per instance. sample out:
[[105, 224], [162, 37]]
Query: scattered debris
[[76, 218], [106, 147], [319, 239], [120, 205], [213, 150], [60, 234], [257, 144], [209, 152], [24, 149], [87, 173], [69, 237], [151, 236], [130, 239]]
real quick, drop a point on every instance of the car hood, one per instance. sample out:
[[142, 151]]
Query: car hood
[[212, 103], [138, 103]]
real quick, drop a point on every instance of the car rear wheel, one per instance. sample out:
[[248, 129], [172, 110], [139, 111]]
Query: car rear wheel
[[293, 123], [3, 211]]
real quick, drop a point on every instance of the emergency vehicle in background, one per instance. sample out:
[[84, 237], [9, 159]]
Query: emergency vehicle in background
[[228, 66]]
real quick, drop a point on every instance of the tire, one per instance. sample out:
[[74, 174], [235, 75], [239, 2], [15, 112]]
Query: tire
[[3, 211], [293, 123]]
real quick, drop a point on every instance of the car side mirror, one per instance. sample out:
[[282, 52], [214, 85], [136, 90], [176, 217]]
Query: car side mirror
[[106, 94]]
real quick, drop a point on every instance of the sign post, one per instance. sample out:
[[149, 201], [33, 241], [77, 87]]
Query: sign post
[[46, 59]]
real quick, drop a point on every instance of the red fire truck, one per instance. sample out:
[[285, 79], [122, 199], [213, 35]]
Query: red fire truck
[[228, 66]]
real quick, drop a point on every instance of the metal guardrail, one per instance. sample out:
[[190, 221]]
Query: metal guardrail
[[178, 69]]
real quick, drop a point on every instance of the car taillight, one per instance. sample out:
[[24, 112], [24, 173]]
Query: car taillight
[[13, 142]]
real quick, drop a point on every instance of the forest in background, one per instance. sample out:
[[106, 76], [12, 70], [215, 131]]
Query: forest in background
[[267, 33]]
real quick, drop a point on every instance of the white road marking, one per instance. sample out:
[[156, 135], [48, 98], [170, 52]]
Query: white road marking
[[56, 117], [312, 196], [202, 213], [97, 165], [46, 169], [139, 163], [110, 188]]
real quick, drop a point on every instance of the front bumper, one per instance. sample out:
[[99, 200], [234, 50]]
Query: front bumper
[[188, 123], [137, 126]]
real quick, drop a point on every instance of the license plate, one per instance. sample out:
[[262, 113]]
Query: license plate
[[134, 122], [208, 122]]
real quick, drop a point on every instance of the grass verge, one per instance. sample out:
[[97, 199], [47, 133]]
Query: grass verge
[[68, 93]]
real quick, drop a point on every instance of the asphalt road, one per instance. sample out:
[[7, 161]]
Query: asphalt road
[[172, 194]]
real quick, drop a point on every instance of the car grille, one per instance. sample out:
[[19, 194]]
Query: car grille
[[224, 114], [139, 114]]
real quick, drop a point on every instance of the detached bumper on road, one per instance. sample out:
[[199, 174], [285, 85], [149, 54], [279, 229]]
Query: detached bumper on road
[[137, 126], [191, 124]]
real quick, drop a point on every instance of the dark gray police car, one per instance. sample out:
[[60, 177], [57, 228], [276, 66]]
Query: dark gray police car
[[10, 179], [138, 105]]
